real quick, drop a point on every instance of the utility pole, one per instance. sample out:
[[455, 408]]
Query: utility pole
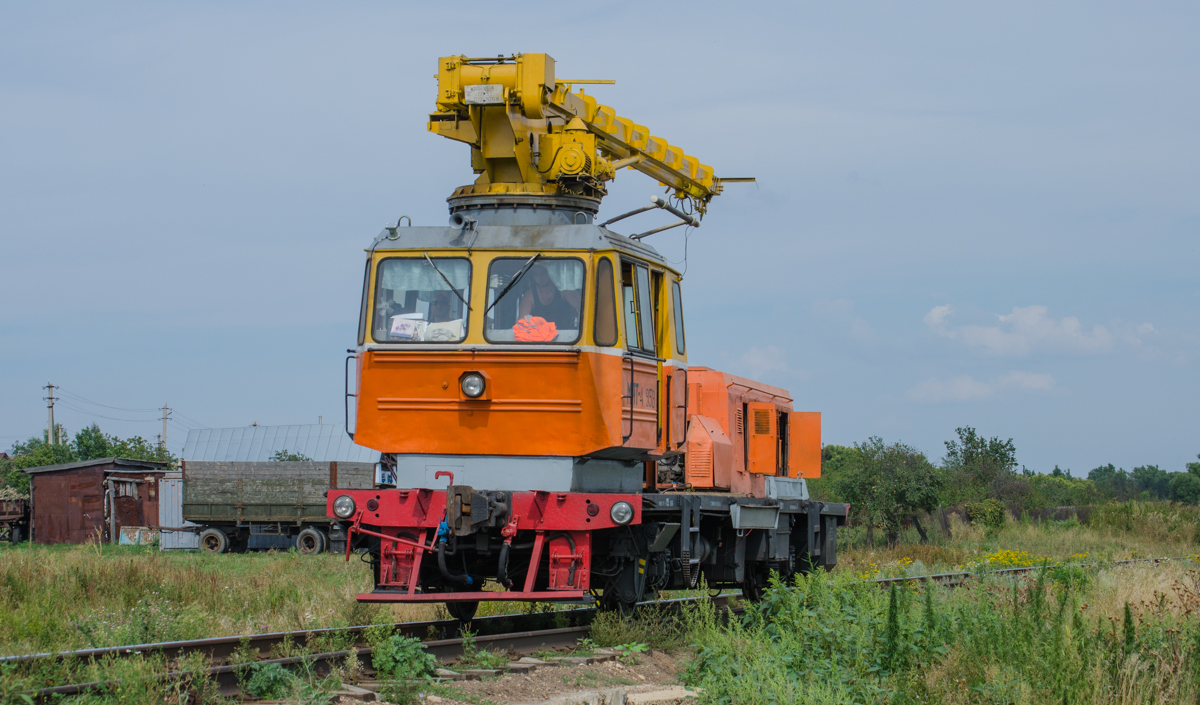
[[166, 415], [50, 434]]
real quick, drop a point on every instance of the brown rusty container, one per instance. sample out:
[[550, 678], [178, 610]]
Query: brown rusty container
[[91, 500]]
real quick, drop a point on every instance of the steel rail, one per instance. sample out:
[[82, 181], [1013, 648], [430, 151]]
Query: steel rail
[[445, 649], [224, 646], [953, 579]]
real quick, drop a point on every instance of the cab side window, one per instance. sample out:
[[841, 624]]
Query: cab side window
[[606, 304], [638, 307], [677, 305]]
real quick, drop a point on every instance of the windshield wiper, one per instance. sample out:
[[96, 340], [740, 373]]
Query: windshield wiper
[[435, 268], [512, 282]]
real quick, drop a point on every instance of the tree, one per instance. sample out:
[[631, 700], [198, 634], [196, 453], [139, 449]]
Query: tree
[[978, 467], [1059, 472], [891, 482], [89, 444], [1048, 491], [33, 453], [971, 449], [1151, 481], [1112, 482], [836, 462], [1185, 487], [1194, 468]]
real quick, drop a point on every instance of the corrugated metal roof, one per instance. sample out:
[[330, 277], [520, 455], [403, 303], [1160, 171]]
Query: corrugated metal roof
[[323, 442], [118, 463]]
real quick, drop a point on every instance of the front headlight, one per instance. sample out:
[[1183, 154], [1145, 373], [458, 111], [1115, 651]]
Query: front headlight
[[621, 513], [343, 507], [472, 385]]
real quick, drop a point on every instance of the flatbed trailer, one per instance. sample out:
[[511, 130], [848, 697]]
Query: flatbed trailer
[[240, 506]]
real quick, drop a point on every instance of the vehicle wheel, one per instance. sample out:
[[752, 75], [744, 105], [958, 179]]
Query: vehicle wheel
[[752, 586], [462, 611], [17, 536], [214, 541], [310, 541]]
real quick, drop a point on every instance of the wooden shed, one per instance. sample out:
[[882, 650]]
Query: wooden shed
[[93, 499]]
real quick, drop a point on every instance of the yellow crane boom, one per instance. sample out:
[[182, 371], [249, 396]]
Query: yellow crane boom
[[530, 133]]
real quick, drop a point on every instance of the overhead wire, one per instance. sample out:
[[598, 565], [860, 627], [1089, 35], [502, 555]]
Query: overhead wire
[[85, 400], [88, 412], [190, 419], [96, 403]]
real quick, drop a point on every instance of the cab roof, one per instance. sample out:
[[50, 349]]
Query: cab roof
[[513, 237]]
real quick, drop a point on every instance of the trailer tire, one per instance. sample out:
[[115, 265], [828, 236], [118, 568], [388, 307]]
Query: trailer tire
[[213, 540], [311, 541], [15, 534]]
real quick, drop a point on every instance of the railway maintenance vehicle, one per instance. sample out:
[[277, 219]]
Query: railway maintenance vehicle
[[524, 372]]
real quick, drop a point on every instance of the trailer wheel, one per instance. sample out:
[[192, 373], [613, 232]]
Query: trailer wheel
[[214, 540], [15, 534], [311, 541]]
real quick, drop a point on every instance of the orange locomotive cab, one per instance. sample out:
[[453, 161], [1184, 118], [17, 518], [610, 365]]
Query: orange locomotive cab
[[523, 371]]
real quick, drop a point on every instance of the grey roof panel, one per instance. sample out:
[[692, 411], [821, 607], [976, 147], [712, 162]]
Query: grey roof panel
[[321, 442], [515, 237], [150, 465]]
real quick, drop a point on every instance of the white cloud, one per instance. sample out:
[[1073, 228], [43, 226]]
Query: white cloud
[[966, 388], [759, 361], [1023, 331], [936, 318], [1146, 328]]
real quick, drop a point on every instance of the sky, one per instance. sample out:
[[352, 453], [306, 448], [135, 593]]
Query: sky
[[965, 214]]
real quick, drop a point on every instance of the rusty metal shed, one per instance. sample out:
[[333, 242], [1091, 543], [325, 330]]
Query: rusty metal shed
[[90, 499]]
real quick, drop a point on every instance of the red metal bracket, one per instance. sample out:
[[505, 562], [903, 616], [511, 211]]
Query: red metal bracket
[[356, 528], [481, 596], [510, 529]]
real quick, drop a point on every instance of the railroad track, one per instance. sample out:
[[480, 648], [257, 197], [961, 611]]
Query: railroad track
[[508, 633], [954, 579]]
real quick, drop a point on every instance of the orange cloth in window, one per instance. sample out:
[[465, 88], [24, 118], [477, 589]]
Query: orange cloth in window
[[535, 329]]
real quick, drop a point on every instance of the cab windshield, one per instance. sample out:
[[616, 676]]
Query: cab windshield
[[421, 300], [534, 300]]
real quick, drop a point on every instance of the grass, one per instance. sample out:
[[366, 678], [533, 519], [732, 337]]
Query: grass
[[1155, 530], [134, 681], [68, 597], [1126, 634], [1082, 631], [65, 597]]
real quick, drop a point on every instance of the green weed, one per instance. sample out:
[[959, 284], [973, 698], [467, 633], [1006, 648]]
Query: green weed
[[1033, 640], [475, 657]]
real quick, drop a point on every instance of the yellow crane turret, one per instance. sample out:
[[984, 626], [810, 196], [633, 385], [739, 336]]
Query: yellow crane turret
[[534, 135]]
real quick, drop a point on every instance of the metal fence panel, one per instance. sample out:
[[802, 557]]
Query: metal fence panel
[[170, 513]]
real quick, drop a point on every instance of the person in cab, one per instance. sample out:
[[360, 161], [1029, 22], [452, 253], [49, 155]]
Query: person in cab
[[544, 300]]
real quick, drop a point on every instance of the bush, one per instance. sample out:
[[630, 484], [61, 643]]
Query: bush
[[989, 513], [402, 658], [270, 681]]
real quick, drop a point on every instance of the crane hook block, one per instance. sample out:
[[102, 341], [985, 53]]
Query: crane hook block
[[530, 134]]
